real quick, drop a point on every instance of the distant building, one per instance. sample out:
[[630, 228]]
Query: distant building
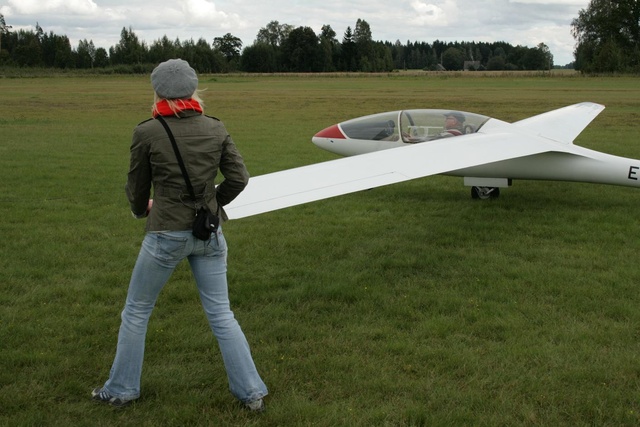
[[471, 65]]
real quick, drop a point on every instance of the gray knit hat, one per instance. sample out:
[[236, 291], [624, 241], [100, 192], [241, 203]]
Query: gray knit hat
[[174, 79]]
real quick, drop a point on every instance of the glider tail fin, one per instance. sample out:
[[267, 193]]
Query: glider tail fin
[[564, 124]]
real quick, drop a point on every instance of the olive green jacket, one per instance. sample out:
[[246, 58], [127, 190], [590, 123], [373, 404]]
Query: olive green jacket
[[206, 148]]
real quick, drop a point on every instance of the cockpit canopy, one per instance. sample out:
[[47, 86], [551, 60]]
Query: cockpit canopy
[[412, 126]]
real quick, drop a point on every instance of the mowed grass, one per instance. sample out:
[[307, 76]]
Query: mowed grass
[[405, 305]]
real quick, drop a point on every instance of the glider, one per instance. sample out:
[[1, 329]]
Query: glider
[[398, 146]]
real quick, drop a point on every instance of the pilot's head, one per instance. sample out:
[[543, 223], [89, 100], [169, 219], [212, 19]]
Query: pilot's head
[[453, 119]]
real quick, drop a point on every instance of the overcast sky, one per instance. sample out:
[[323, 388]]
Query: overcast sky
[[523, 22]]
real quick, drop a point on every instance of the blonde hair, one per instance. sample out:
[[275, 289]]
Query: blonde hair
[[177, 105]]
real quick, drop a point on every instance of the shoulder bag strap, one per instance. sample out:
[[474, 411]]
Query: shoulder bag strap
[[179, 157]]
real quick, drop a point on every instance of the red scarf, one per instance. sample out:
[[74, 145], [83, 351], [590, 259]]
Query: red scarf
[[162, 108]]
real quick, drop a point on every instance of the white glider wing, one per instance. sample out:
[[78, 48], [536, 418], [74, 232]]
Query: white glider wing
[[319, 181], [494, 142]]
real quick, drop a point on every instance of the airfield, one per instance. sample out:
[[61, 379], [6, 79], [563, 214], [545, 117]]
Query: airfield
[[406, 305]]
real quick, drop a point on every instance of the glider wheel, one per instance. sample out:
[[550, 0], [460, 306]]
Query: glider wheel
[[484, 193]]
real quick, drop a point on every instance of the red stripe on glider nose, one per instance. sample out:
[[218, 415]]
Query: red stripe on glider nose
[[333, 132]]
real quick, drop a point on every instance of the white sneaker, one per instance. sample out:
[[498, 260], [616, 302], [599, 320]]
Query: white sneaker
[[101, 395], [255, 405]]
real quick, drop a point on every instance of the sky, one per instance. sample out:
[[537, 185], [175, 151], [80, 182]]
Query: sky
[[518, 22]]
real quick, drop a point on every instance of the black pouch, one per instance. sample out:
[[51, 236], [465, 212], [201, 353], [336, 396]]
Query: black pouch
[[205, 223]]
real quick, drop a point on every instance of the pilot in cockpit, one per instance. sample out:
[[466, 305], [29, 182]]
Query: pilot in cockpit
[[424, 128], [453, 124]]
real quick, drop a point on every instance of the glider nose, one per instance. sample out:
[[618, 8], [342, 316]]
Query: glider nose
[[325, 139]]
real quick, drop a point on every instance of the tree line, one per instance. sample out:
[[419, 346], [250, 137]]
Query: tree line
[[277, 48]]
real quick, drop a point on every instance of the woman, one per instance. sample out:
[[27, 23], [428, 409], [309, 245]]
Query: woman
[[206, 148]]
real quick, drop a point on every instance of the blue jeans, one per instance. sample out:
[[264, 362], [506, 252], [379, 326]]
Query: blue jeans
[[160, 254]]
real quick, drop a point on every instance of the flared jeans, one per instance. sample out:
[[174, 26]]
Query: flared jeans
[[159, 255]]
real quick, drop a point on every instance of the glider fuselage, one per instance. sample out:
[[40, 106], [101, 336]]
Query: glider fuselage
[[561, 161]]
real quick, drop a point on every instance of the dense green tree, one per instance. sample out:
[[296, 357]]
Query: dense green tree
[[4, 29], [607, 33], [453, 59], [496, 63], [208, 60], [229, 45], [188, 52], [398, 55], [515, 58], [274, 33], [439, 47], [539, 58], [56, 51], [129, 50], [609, 58], [85, 54], [383, 59], [64, 53], [260, 57], [102, 58], [330, 48], [485, 53], [421, 56], [301, 51], [27, 50], [363, 40], [349, 52], [162, 49]]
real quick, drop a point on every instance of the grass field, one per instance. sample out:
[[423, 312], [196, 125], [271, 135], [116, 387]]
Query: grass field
[[408, 305]]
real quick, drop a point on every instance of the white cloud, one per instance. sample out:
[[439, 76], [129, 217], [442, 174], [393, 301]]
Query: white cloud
[[80, 7], [551, 2], [204, 12], [439, 15]]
